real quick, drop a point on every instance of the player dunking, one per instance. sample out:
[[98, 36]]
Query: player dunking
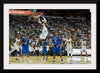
[[44, 33], [56, 48], [43, 22]]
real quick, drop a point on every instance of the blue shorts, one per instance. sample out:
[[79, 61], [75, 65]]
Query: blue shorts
[[56, 49], [45, 50], [25, 49]]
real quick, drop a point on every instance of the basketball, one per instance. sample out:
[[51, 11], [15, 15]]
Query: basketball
[[34, 18]]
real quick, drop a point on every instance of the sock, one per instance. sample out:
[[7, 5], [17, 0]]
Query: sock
[[20, 58], [27, 59], [43, 57]]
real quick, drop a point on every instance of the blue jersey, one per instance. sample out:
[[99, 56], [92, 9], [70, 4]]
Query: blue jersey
[[45, 44], [56, 40], [59, 42], [25, 40]]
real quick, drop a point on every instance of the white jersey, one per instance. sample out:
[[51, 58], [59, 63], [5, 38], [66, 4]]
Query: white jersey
[[31, 48], [44, 28], [17, 42], [44, 32], [83, 49], [84, 44], [33, 42], [69, 42], [30, 40]]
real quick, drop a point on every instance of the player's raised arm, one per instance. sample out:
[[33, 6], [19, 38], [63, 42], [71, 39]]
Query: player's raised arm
[[21, 41], [42, 44], [39, 21], [13, 41], [45, 21], [33, 13]]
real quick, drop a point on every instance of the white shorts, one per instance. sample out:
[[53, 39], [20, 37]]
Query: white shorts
[[40, 49], [16, 47], [83, 49], [30, 49], [43, 35], [69, 49], [37, 48]]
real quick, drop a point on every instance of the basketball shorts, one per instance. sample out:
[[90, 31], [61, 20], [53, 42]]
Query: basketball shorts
[[45, 51], [40, 48], [43, 35], [69, 49], [83, 49], [30, 49], [25, 49], [16, 47], [56, 49], [37, 48]]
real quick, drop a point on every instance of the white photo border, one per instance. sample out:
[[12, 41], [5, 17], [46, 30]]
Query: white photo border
[[6, 64]]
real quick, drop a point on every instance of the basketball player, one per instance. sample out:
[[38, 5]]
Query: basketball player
[[44, 33], [83, 47], [25, 47], [31, 49], [16, 46], [45, 49], [56, 48], [69, 48]]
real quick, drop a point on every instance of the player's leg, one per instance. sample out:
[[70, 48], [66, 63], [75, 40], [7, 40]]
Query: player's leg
[[23, 52], [68, 54], [71, 56], [44, 53], [54, 53], [27, 51], [86, 57], [47, 55], [54, 58], [16, 52], [59, 52]]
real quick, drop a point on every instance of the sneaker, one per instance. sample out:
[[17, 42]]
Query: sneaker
[[17, 59], [53, 61], [43, 58], [61, 60]]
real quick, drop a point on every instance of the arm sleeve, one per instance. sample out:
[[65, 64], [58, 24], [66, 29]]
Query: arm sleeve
[[44, 19], [39, 20]]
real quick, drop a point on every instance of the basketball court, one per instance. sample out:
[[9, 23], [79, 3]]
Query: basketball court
[[39, 60]]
